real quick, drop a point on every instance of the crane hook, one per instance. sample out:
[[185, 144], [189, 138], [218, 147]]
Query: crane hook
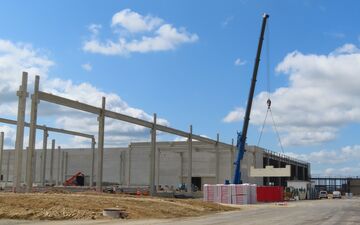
[[268, 102]]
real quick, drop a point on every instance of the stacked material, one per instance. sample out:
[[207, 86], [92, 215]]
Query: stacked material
[[224, 193], [210, 193], [240, 194]]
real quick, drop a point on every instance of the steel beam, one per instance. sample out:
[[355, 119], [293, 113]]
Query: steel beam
[[100, 158], [232, 158], [32, 136], [19, 143]]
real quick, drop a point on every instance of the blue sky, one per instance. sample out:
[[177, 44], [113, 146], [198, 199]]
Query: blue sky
[[187, 73]]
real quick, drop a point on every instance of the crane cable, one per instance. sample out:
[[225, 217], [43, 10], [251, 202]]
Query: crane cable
[[268, 102]]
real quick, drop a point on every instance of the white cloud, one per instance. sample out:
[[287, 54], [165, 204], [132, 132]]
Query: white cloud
[[15, 58], [87, 67], [134, 22], [239, 62], [158, 35], [320, 99]]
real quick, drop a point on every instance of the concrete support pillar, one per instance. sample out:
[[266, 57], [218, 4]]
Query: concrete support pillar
[[19, 143], [51, 175], [189, 176], [1, 154], [152, 158], [62, 168], [232, 159], [181, 168], [303, 173], [217, 160], [129, 166], [66, 165], [58, 166], [43, 158], [279, 178], [100, 158], [120, 167], [157, 167], [32, 136], [92, 175], [7, 168], [267, 163]]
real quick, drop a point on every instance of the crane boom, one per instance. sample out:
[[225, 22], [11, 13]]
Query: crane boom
[[241, 137]]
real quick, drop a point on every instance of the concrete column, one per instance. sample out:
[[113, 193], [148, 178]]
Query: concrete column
[[303, 173], [189, 176], [120, 167], [58, 166], [100, 158], [1, 153], [267, 163], [92, 175], [51, 177], [19, 143], [62, 168], [129, 166], [32, 136], [157, 165], [232, 159], [181, 168], [217, 160], [43, 158], [66, 165], [279, 178], [7, 168], [152, 158], [296, 172]]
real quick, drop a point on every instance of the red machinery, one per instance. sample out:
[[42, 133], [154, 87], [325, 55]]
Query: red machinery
[[72, 181]]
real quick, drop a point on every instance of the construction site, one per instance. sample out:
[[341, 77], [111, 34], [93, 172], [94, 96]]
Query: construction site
[[151, 181]]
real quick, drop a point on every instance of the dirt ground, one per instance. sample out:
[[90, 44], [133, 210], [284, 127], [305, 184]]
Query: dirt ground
[[63, 206]]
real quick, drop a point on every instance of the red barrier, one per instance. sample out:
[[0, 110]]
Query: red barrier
[[270, 193]]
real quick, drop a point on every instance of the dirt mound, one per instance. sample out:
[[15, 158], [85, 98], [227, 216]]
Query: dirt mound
[[61, 206]]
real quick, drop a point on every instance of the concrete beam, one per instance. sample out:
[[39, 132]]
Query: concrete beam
[[100, 159], [49, 129], [32, 136], [118, 116], [19, 143], [270, 171]]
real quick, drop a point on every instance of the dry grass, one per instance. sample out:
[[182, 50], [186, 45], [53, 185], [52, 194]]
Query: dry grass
[[62, 206]]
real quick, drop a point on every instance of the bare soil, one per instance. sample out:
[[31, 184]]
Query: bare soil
[[63, 206]]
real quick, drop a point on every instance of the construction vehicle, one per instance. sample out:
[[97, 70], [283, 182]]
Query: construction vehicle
[[76, 180], [241, 137]]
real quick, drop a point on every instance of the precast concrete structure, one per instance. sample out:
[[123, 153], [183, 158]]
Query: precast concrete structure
[[129, 166]]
